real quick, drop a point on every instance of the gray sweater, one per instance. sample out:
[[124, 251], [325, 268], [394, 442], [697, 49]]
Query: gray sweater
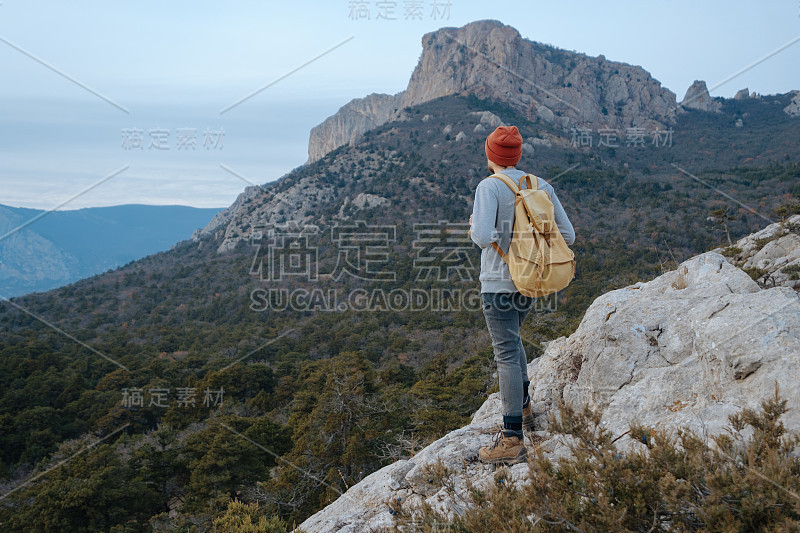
[[493, 221]]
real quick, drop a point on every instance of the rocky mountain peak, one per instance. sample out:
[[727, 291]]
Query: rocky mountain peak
[[492, 60], [697, 97]]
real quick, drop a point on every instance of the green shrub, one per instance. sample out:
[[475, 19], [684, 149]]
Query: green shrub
[[731, 251], [243, 517], [756, 273]]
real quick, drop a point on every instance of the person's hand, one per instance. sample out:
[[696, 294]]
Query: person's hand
[[470, 220]]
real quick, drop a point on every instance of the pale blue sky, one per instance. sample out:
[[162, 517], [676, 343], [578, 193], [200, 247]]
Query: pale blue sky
[[177, 64]]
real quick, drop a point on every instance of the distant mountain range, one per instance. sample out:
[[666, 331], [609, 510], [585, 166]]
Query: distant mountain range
[[64, 246]]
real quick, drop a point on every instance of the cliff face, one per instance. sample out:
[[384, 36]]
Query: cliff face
[[491, 60], [683, 351], [351, 121]]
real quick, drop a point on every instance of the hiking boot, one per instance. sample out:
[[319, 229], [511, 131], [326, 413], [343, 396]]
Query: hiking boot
[[504, 449], [527, 418]]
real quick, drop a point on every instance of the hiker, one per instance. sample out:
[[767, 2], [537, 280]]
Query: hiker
[[504, 307]]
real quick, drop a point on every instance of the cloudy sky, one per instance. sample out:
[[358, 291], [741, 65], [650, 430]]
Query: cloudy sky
[[82, 79]]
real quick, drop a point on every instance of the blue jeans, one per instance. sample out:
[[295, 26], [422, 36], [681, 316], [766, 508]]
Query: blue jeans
[[504, 313]]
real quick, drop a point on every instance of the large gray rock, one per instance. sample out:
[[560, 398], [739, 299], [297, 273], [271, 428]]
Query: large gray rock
[[682, 351], [697, 97], [793, 109], [487, 120]]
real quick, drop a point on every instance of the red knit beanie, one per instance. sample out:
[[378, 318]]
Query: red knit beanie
[[504, 146]]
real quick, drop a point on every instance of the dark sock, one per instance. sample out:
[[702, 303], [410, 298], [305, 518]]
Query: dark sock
[[513, 433], [512, 423]]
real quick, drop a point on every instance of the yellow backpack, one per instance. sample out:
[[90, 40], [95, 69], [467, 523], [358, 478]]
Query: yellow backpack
[[538, 258]]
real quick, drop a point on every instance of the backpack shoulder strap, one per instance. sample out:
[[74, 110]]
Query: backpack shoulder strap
[[527, 178], [508, 181], [499, 250], [515, 189]]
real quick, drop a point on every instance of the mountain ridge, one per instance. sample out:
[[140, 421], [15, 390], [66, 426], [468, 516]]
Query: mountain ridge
[[455, 139], [61, 247], [491, 60]]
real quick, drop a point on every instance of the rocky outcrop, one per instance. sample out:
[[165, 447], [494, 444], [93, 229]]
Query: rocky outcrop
[[226, 216], [682, 351], [772, 254], [351, 122], [491, 60], [293, 201], [742, 94], [793, 109], [697, 97], [361, 201], [257, 207], [487, 120]]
